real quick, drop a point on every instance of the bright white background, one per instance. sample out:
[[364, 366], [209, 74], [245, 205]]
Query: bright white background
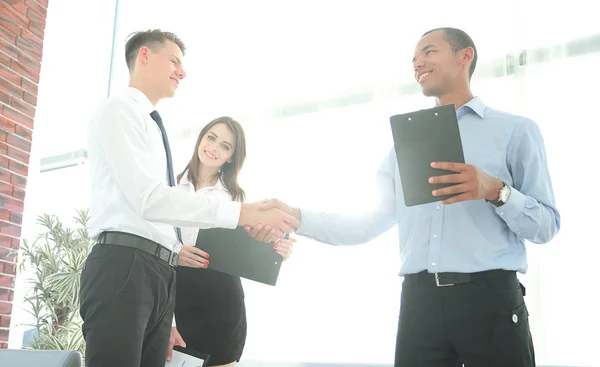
[[252, 60]]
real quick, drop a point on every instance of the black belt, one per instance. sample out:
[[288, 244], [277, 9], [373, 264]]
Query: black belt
[[140, 243], [450, 279]]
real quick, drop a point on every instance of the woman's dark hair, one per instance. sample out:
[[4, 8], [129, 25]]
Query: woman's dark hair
[[230, 171]]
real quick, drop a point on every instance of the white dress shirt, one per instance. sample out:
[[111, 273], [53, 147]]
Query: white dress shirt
[[217, 192], [130, 190]]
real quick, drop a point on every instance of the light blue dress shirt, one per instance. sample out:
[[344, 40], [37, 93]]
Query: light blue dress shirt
[[468, 236]]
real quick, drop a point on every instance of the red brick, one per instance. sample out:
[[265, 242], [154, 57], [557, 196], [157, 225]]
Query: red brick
[[4, 59], [11, 88], [36, 27], [5, 308], [10, 229], [43, 3], [4, 162], [16, 218], [18, 117], [4, 333], [6, 189], [12, 17], [18, 180], [23, 70], [18, 142], [19, 193], [11, 204], [3, 345], [36, 7], [33, 63], [10, 75], [6, 124], [5, 241], [29, 42], [9, 48], [29, 86], [3, 135], [23, 132], [5, 176], [17, 154], [5, 321], [18, 5], [18, 167], [4, 97], [7, 281], [3, 148], [9, 267], [4, 214], [7, 253], [8, 34], [30, 98], [23, 107]]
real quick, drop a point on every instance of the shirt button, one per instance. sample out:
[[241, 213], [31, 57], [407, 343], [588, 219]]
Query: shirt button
[[501, 213], [515, 318], [433, 263], [437, 207], [435, 236]]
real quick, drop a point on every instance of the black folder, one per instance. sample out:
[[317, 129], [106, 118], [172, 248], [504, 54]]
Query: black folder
[[422, 137], [234, 252]]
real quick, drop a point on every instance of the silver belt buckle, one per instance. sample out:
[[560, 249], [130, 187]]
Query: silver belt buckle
[[437, 282], [174, 259]]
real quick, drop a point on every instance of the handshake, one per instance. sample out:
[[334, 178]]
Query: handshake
[[269, 220]]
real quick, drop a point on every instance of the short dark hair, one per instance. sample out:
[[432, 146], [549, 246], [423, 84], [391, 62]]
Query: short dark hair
[[153, 39], [458, 40]]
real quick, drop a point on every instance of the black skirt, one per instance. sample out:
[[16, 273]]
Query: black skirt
[[211, 314]]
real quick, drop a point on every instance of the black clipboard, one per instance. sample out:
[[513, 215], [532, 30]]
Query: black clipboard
[[422, 137], [187, 358], [234, 252]]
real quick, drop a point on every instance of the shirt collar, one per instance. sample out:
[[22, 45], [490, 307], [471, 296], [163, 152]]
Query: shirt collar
[[185, 181], [476, 105], [138, 96]]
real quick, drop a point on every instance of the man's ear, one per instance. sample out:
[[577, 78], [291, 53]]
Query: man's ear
[[144, 54], [467, 55]]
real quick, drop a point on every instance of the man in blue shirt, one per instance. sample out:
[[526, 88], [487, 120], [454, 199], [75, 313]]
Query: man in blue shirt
[[461, 299]]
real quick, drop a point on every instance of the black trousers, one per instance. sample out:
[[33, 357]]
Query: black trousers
[[127, 304], [483, 323]]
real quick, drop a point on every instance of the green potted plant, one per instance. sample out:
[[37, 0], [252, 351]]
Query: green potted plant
[[55, 259]]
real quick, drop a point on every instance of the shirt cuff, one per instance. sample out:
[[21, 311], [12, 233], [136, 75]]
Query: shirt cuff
[[228, 214], [307, 223], [173, 323], [514, 206]]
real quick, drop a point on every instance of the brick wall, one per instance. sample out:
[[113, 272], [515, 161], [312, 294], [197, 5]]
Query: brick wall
[[22, 24]]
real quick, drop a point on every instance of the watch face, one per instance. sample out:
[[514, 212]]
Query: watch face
[[504, 192]]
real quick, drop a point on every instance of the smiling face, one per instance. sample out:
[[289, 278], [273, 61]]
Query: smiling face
[[216, 146], [165, 68], [438, 68]]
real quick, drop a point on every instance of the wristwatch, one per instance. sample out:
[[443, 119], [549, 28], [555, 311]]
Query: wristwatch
[[503, 196]]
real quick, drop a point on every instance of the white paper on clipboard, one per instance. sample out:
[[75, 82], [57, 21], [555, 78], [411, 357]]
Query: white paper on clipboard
[[186, 358]]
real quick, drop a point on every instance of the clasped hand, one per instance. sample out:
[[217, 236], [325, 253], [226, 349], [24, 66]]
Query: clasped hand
[[264, 232]]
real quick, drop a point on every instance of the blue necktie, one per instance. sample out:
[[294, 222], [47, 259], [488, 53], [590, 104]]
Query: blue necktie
[[156, 117]]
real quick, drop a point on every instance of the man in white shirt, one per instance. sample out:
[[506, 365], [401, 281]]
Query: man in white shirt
[[128, 281]]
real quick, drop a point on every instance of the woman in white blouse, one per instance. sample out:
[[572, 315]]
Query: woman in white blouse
[[209, 308]]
